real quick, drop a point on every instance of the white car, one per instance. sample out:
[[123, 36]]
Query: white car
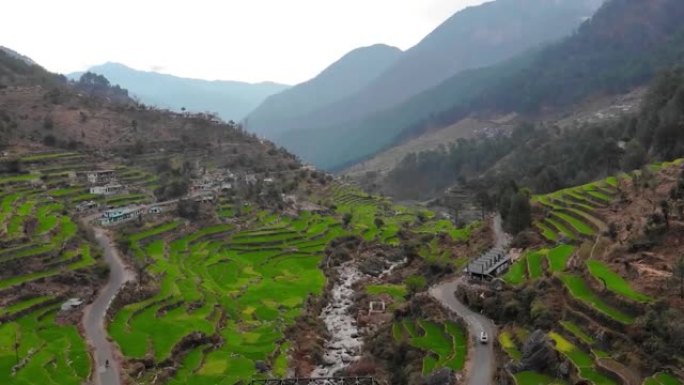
[[484, 338]]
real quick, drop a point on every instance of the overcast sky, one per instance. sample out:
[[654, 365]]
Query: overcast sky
[[287, 41]]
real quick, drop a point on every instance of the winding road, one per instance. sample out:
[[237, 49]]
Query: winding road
[[95, 314], [482, 361]]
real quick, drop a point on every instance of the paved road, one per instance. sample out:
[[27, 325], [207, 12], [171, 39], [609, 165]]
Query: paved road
[[482, 360], [95, 314], [481, 357]]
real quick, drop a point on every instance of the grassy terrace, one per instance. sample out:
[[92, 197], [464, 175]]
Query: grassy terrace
[[248, 285], [582, 361], [531, 264], [44, 244], [571, 212], [533, 378], [663, 379], [256, 283], [508, 344], [614, 282], [579, 289], [56, 354], [445, 345], [397, 292]]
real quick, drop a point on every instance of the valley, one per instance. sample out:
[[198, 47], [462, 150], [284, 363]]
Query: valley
[[501, 203]]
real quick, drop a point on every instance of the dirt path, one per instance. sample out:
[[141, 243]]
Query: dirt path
[[481, 358], [95, 314]]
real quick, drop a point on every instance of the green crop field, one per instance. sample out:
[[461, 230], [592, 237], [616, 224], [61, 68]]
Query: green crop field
[[398, 292], [445, 345], [506, 340], [579, 289], [559, 256], [533, 378], [614, 282], [517, 273], [583, 361], [43, 245], [575, 330], [572, 212], [535, 264], [663, 379]]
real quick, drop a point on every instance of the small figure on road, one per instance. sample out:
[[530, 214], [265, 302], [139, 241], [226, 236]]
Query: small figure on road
[[106, 363]]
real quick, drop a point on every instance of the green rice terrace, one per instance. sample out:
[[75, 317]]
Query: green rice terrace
[[594, 295], [571, 213], [233, 290], [43, 251], [445, 345]]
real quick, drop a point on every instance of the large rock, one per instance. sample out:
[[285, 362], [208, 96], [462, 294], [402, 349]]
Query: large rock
[[374, 266], [538, 354], [441, 377]]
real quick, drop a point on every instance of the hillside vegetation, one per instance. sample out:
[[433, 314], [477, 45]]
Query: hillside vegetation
[[550, 158], [624, 45]]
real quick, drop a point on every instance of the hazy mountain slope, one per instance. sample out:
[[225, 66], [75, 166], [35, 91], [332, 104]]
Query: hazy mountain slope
[[472, 38], [19, 70], [231, 100], [343, 78], [622, 46]]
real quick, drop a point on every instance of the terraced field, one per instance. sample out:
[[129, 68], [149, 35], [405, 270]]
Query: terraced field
[[582, 361], [534, 264], [244, 286], [445, 345], [571, 212], [42, 244], [580, 290], [614, 282], [533, 378], [663, 379], [241, 287]]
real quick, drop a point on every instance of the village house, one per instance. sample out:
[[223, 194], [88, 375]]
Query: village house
[[109, 189], [114, 216], [99, 176], [250, 179], [490, 265]]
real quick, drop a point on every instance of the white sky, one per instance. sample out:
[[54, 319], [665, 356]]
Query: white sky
[[286, 41]]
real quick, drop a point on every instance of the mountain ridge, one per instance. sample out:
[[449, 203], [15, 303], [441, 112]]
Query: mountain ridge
[[472, 38], [232, 100], [343, 78], [562, 73]]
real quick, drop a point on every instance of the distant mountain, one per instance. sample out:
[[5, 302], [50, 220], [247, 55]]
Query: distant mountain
[[472, 38], [622, 46], [231, 100], [343, 78]]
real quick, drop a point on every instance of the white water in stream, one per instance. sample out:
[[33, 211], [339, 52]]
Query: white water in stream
[[344, 346]]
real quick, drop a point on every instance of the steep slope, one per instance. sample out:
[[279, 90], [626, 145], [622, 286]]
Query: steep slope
[[17, 69], [472, 38], [621, 47], [231, 100], [343, 78]]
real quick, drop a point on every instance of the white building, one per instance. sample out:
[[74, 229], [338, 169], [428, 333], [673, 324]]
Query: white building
[[109, 189], [99, 176], [114, 216]]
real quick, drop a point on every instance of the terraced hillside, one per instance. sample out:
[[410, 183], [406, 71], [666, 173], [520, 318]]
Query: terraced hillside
[[595, 299], [232, 291], [446, 344], [44, 261], [226, 294]]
